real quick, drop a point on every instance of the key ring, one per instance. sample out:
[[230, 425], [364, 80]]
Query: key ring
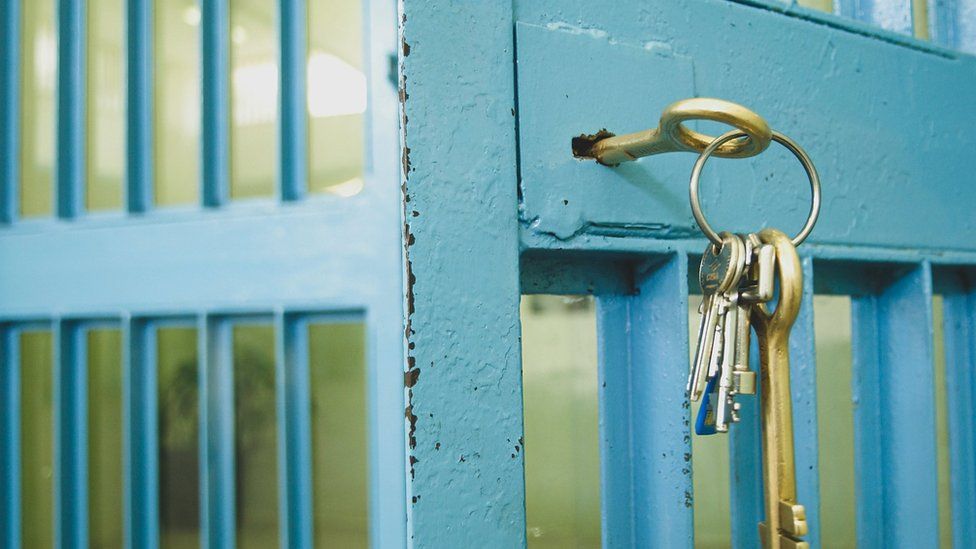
[[797, 151]]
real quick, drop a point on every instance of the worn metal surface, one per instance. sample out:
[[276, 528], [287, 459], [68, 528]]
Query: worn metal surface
[[463, 378], [882, 120], [877, 110]]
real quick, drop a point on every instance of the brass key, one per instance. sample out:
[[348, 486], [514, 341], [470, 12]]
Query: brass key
[[786, 522]]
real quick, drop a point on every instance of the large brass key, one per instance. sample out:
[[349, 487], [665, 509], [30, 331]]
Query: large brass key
[[786, 522]]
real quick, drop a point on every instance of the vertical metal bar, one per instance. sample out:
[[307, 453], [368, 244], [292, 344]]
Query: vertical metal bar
[[71, 143], [214, 148], [293, 124], [960, 358], [893, 15], [294, 430], [139, 101], [745, 464], [10, 21], [141, 450], [659, 416], [866, 393], [10, 510], [71, 436], [216, 433], [894, 387], [803, 387], [616, 463], [645, 447], [952, 23]]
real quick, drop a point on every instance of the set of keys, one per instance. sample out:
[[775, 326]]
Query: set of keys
[[738, 276], [733, 277]]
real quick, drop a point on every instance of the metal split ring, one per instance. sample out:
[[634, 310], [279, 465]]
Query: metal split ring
[[797, 151]]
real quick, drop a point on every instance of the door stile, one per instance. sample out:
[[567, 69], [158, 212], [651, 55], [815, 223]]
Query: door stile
[[893, 388], [645, 444], [960, 359], [463, 383]]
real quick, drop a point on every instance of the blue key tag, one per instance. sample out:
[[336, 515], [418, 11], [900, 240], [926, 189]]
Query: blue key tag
[[705, 422]]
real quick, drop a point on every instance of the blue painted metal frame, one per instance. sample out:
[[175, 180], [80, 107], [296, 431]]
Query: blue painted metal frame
[[464, 397], [210, 265], [563, 250]]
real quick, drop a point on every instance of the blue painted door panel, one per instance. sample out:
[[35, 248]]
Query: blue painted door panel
[[886, 118], [883, 117], [286, 261]]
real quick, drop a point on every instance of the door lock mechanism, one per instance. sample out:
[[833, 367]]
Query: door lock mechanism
[[672, 135]]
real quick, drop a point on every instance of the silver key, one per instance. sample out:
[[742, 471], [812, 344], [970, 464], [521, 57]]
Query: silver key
[[726, 394], [721, 268]]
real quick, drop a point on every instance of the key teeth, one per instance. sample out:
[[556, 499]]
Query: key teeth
[[793, 518]]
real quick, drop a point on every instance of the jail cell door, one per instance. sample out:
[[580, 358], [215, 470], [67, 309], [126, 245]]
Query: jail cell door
[[199, 275], [501, 207]]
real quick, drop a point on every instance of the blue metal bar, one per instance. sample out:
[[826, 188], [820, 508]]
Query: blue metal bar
[[745, 464], [893, 15], [616, 462], [803, 387], [10, 471], [141, 450], [893, 387], [959, 314], [216, 433], [71, 143], [10, 22], [139, 105], [294, 430], [866, 393], [293, 124], [952, 23], [659, 414], [71, 436], [214, 147], [645, 449]]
